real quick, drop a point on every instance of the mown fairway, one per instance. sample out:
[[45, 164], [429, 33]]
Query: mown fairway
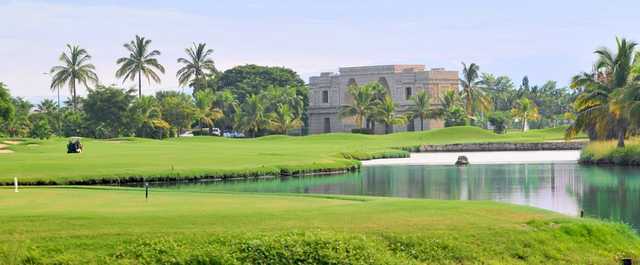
[[47, 162], [76, 225]]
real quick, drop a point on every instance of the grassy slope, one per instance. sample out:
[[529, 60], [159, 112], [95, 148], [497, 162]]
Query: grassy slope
[[98, 225], [208, 156]]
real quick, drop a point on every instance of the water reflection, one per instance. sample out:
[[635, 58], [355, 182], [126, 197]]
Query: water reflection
[[610, 193]]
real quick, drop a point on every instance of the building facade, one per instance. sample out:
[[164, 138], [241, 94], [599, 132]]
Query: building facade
[[329, 91]]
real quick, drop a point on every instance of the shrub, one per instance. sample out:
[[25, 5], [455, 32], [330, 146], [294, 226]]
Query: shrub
[[607, 152], [362, 131], [499, 120], [41, 130]]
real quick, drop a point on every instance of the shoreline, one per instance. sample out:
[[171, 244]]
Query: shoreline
[[481, 158]]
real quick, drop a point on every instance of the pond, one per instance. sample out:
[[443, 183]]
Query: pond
[[607, 193]]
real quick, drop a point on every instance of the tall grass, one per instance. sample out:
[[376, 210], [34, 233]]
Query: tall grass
[[607, 153]]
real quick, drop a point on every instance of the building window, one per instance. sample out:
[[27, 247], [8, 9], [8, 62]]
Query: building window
[[325, 96], [327, 125], [407, 93]]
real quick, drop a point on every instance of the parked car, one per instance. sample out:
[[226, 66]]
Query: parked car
[[233, 134], [216, 132]]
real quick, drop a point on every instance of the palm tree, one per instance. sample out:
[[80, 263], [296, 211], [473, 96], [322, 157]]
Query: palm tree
[[386, 114], [473, 94], [251, 115], [422, 108], [603, 105], [75, 69], [363, 103], [525, 110], [206, 113], [197, 66], [283, 119], [140, 62]]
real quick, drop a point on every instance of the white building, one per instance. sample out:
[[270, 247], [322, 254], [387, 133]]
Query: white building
[[329, 91]]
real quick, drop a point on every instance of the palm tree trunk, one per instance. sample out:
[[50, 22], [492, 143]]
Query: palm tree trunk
[[421, 124], [387, 129], [72, 83], [621, 134], [139, 84]]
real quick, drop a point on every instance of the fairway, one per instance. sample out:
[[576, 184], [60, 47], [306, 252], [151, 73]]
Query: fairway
[[78, 225], [135, 159]]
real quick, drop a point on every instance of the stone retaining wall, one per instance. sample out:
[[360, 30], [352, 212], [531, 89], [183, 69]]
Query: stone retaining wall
[[484, 147]]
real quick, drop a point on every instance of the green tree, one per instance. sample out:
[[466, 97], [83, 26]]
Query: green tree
[[251, 115], [141, 61], [385, 112], [106, 110], [525, 110], [20, 125], [499, 120], [75, 69], [598, 108], [196, 67], [145, 118], [41, 129], [283, 119], [7, 110], [422, 108], [177, 109], [473, 94], [206, 112], [363, 103]]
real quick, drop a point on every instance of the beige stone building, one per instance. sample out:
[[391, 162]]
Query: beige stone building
[[329, 91]]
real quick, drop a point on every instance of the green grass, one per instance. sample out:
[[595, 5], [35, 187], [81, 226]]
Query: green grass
[[607, 152], [131, 159], [78, 225]]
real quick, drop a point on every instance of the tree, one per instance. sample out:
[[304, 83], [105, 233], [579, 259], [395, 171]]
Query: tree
[[106, 111], [41, 129], [49, 109], [363, 103], [500, 91], [282, 119], [177, 109], [76, 69], [385, 113], [472, 93], [196, 67], [7, 110], [140, 62], [20, 125], [145, 118], [251, 115], [499, 120], [525, 110], [600, 104], [422, 108], [206, 113], [450, 108]]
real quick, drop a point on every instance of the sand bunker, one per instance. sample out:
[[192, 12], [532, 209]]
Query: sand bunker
[[33, 145], [5, 151], [11, 142]]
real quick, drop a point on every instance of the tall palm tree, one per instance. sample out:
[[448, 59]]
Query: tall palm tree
[[197, 66], [473, 94], [141, 61], [422, 108], [206, 113], [283, 119], [525, 110], [75, 69], [386, 114], [600, 107], [363, 104]]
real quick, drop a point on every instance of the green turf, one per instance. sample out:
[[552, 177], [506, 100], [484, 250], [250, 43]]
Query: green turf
[[128, 159], [106, 226]]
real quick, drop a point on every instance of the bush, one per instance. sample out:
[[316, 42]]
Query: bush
[[499, 120], [41, 130], [362, 131], [607, 152]]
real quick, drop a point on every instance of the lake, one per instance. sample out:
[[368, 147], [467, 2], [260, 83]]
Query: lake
[[607, 193]]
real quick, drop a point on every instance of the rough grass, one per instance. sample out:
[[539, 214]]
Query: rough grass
[[96, 225], [135, 159], [607, 152]]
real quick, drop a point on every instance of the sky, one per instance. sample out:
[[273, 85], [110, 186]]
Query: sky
[[545, 40]]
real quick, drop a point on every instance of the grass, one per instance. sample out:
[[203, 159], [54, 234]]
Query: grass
[[82, 225], [607, 152], [132, 159]]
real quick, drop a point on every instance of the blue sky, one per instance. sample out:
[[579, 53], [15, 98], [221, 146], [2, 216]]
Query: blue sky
[[546, 40]]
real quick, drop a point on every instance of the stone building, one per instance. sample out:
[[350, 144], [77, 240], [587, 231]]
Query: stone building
[[329, 91]]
